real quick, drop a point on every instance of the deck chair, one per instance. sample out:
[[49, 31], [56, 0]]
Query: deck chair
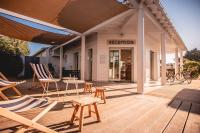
[[5, 84], [43, 75], [9, 108]]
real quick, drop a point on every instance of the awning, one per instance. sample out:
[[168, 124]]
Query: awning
[[77, 15], [23, 32]]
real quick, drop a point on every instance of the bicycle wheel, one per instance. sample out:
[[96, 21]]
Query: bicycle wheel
[[189, 81], [187, 77], [170, 77], [178, 76]]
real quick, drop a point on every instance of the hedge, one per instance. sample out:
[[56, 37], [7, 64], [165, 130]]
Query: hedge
[[193, 67], [11, 65]]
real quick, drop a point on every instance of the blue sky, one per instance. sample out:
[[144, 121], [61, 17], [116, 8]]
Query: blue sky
[[185, 16]]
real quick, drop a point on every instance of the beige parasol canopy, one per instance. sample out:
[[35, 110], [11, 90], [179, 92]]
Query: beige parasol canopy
[[77, 15], [23, 32]]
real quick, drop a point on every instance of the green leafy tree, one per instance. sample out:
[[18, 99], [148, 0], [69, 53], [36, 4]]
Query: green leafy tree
[[192, 62], [193, 55], [10, 46], [10, 51], [193, 67]]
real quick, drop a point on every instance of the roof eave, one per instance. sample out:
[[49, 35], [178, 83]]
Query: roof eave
[[156, 8]]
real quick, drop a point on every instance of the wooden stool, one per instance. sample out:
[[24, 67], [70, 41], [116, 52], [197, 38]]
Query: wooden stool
[[100, 92], [81, 103], [87, 87]]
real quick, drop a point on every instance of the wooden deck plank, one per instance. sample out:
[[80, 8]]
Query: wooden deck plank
[[123, 109], [162, 121], [145, 122], [121, 117], [108, 109], [193, 122], [117, 108], [178, 122]]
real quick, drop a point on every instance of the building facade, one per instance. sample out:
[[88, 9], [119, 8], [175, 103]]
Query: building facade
[[112, 40], [131, 46], [111, 52], [112, 57]]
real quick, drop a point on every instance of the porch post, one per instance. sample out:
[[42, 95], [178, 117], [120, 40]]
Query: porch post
[[176, 61], [61, 61], [140, 50], [83, 58], [181, 59], [163, 59]]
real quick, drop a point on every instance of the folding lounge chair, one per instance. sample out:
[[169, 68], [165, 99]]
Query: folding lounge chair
[[5, 84], [9, 108], [44, 76]]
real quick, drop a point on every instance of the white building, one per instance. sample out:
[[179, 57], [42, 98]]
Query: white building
[[125, 47]]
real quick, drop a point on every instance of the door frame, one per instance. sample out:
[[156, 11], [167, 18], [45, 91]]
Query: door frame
[[132, 58], [113, 65], [90, 63]]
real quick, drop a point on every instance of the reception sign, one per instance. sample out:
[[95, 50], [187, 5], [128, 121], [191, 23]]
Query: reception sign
[[121, 42]]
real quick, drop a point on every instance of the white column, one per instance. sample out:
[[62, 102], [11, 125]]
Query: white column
[[83, 58], [181, 59], [163, 58], [140, 50], [176, 61], [156, 66], [61, 61]]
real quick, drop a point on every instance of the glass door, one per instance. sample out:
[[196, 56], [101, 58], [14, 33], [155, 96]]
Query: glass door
[[126, 64], [76, 61], [114, 65], [90, 54]]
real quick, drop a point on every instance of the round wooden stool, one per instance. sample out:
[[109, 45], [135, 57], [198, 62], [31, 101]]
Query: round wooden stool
[[87, 87], [100, 92]]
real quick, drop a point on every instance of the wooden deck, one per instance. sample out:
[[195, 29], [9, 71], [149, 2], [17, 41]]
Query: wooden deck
[[128, 112]]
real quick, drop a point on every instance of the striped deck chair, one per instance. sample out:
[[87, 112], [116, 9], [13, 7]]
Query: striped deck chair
[[5, 84], [42, 73], [9, 108]]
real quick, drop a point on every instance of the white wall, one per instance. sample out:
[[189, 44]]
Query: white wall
[[44, 60], [55, 61], [151, 45], [103, 54], [68, 59], [91, 43], [100, 67]]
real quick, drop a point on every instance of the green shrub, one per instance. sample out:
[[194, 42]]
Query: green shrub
[[193, 67], [10, 65]]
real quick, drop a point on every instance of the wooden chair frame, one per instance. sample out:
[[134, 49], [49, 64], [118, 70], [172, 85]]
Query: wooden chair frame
[[44, 84], [27, 122], [12, 86]]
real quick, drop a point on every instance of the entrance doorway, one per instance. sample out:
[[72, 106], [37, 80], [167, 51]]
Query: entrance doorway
[[76, 61], [90, 54], [120, 65], [151, 65]]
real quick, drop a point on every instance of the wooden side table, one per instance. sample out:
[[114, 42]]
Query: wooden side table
[[81, 103], [100, 92], [75, 82], [87, 87]]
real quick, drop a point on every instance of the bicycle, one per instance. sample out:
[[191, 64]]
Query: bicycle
[[170, 76], [185, 75]]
